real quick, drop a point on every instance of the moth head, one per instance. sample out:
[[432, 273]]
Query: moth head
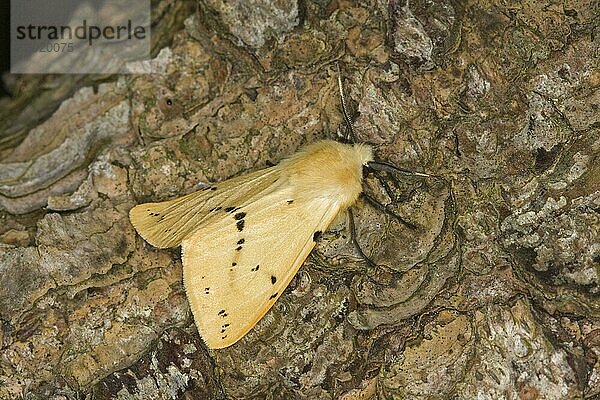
[[363, 154]]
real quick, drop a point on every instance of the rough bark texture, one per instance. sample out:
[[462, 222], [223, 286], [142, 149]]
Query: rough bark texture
[[495, 294]]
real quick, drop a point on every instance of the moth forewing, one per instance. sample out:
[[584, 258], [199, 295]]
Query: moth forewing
[[167, 223]]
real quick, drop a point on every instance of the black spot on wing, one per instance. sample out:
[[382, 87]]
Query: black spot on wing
[[273, 279], [229, 209], [240, 225], [317, 235], [239, 215], [206, 290], [215, 209], [273, 296], [290, 201], [238, 248], [213, 188], [255, 268], [233, 264], [221, 312], [241, 241], [223, 330]]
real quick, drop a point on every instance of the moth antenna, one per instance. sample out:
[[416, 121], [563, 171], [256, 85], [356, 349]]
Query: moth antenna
[[349, 129], [352, 227], [382, 166]]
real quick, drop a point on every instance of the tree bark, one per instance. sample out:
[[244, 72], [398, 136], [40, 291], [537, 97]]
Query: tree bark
[[492, 290]]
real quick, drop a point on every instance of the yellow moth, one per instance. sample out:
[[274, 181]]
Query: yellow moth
[[244, 239]]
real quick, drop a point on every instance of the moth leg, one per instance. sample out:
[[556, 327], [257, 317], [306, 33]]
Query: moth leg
[[352, 227], [386, 210], [391, 172], [388, 189]]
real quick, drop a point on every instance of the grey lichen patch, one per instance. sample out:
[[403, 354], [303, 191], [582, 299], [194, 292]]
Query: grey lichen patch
[[135, 321], [25, 280], [409, 36], [263, 20], [105, 177], [545, 127], [380, 121], [421, 32], [553, 229], [556, 243], [35, 349], [481, 252], [95, 330], [177, 365], [88, 368], [514, 358], [435, 362]]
